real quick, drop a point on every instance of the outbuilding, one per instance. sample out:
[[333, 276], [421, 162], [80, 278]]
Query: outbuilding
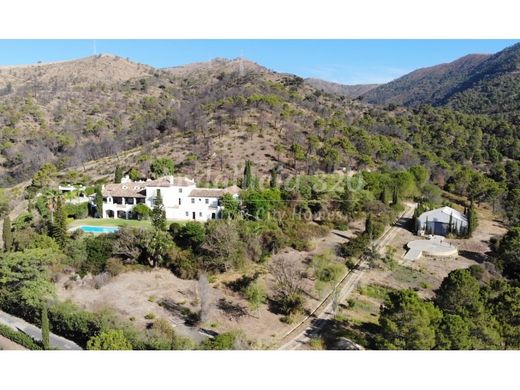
[[438, 222]]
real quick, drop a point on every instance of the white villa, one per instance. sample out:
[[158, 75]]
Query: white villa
[[181, 198], [438, 221]]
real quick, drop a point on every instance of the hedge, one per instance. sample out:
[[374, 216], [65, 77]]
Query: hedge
[[19, 338]]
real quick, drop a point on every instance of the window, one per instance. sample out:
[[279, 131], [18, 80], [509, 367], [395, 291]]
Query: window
[[180, 190], [192, 200], [187, 213], [179, 200], [200, 213], [200, 200], [207, 200]]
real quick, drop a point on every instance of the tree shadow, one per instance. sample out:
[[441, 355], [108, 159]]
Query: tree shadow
[[475, 256], [189, 317], [233, 310]]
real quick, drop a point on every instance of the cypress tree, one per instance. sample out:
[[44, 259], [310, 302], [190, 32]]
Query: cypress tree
[[99, 202], [369, 226], [247, 181], [415, 219], [450, 224], [118, 175], [383, 195], [472, 219], [45, 328], [273, 183], [59, 227], [395, 196], [158, 213], [7, 234]]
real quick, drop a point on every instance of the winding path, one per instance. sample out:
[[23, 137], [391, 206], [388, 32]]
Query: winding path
[[57, 342]]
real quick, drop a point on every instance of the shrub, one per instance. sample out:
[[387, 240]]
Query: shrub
[[109, 340], [98, 250], [76, 211], [149, 316], [355, 247], [142, 211], [114, 266]]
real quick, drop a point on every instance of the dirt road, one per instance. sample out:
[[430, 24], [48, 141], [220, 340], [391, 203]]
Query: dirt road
[[313, 325]]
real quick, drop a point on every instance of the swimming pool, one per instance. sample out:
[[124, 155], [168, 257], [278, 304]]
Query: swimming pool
[[99, 229]]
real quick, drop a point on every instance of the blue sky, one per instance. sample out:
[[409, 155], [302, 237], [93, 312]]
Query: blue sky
[[343, 61]]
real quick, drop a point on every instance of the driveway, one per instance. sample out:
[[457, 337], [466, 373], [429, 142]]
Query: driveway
[[57, 342]]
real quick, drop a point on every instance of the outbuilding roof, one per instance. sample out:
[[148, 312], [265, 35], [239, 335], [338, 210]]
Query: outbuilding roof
[[446, 211]]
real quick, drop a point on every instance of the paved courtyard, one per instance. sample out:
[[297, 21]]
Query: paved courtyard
[[435, 246]]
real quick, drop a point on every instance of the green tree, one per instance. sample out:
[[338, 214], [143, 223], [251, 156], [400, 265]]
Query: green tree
[[507, 254], [118, 175], [472, 219], [110, 340], [248, 180], [7, 234], [459, 293], [504, 303], [454, 332], [162, 167], [407, 322], [191, 235], [256, 295], [298, 153], [59, 227], [369, 226], [383, 196], [4, 203], [159, 213], [230, 207], [98, 201], [142, 211], [45, 328]]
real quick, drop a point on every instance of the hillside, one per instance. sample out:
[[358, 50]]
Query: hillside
[[352, 91], [477, 83], [218, 113], [426, 85], [209, 118]]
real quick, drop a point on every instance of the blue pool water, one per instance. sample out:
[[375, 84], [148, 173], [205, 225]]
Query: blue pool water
[[99, 229]]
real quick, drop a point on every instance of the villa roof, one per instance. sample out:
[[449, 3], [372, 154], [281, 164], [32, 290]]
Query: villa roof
[[125, 190], [170, 181], [233, 190], [207, 192], [214, 192]]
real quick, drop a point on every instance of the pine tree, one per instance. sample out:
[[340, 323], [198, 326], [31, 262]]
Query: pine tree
[[59, 227], [118, 175], [7, 234], [45, 328], [247, 181], [158, 213]]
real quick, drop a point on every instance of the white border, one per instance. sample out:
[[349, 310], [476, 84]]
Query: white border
[[260, 19]]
